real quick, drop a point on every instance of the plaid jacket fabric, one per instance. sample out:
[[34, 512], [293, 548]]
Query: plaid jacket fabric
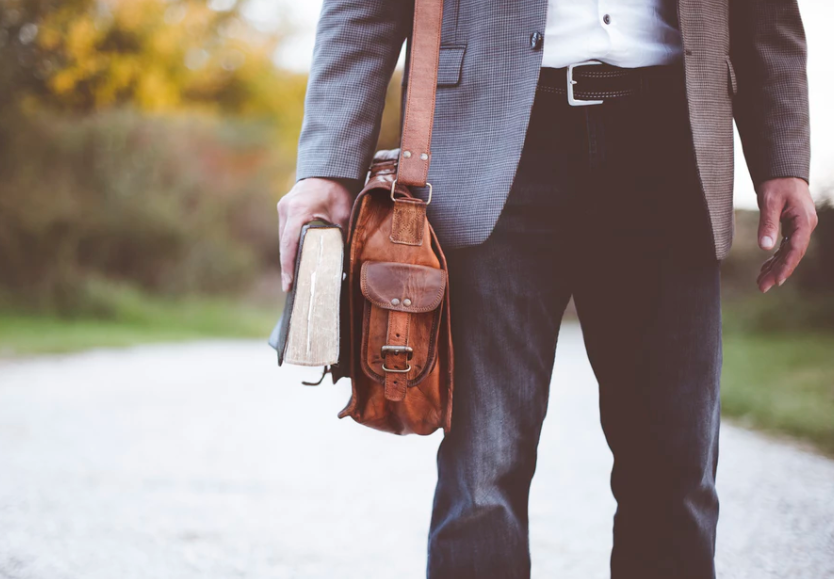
[[742, 57]]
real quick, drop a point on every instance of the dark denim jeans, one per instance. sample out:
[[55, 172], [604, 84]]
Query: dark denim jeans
[[606, 207]]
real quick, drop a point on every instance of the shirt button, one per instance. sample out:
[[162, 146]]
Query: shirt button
[[536, 40], [607, 19]]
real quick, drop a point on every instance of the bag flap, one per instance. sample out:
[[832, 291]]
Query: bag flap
[[402, 287]]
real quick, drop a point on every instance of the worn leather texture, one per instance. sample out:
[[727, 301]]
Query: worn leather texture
[[400, 347], [402, 287], [424, 57]]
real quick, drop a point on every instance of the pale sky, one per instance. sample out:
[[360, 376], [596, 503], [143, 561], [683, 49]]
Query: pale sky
[[817, 14]]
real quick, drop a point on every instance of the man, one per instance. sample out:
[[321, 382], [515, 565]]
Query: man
[[580, 148]]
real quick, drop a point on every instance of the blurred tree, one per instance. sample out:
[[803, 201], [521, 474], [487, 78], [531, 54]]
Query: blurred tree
[[155, 137], [86, 55], [78, 57], [170, 205]]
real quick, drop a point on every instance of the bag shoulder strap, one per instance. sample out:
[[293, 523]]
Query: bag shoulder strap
[[415, 145]]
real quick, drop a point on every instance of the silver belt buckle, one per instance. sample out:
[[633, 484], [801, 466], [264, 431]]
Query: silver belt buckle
[[573, 101]]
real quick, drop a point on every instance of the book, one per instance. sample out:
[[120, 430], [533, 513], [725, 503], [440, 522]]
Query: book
[[307, 334]]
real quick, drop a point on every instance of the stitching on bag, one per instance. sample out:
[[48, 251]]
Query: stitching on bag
[[399, 228], [408, 116], [407, 122], [431, 355], [406, 330], [436, 70], [366, 337]]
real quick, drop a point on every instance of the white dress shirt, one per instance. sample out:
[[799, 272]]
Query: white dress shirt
[[626, 33]]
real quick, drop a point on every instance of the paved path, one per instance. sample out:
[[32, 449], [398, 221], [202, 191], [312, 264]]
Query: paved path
[[205, 461]]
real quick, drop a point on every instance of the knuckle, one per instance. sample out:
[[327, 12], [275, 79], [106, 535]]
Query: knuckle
[[798, 252], [769, 196], [288, 201]]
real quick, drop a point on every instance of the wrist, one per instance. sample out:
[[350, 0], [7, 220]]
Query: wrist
[[352, 185], [775, 180]]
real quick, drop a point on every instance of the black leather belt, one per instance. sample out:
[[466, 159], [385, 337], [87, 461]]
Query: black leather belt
[[593, 82]]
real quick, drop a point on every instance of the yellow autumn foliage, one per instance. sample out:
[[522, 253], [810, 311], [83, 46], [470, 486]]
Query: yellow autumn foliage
[[152, 55]]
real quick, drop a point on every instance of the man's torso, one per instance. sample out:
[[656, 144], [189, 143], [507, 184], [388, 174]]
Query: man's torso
[[489, 65], [626, 33]]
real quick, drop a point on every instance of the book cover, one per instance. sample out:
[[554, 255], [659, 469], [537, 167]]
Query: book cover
[[307, 333]]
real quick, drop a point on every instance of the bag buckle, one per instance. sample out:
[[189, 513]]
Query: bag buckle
[[572, 100], [397, 350], [394, 186]]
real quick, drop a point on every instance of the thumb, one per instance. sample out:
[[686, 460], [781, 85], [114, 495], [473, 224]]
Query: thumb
[[771, 213]]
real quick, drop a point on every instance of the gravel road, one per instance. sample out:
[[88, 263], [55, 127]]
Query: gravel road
[[206, 461]]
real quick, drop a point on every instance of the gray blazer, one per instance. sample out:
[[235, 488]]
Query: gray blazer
[[742, 57]]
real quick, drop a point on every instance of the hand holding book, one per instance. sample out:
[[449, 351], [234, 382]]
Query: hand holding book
[[311, 199]]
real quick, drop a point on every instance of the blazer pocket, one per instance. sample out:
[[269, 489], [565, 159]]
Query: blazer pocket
[[451, 64], [732, 84]]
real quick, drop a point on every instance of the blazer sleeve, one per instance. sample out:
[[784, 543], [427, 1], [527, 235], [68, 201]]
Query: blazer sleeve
[[357, 46], [769, 53]]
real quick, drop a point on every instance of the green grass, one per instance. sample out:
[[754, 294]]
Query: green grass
[[139, 321], [781, 383]]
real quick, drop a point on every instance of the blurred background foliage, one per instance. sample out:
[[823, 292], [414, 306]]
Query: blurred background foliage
[[806, 303], [82, 56], [143, 145], [778, 372]]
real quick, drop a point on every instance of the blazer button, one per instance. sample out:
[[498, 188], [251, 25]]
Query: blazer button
[[536, 40]]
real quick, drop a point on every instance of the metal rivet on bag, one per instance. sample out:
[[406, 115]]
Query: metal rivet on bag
[[424, 156], [406, 302], [406, 154], [395, 301]]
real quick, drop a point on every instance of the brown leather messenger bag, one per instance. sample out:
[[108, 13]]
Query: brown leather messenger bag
[[399, 346]]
